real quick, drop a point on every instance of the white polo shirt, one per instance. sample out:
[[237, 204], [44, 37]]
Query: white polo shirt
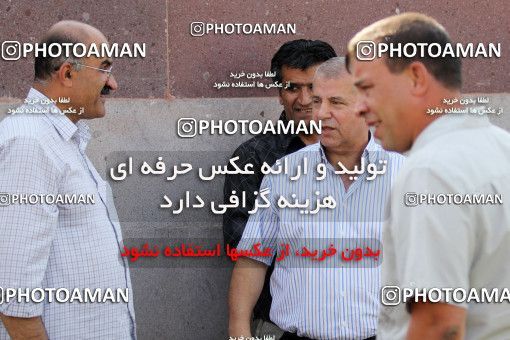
[[449, 245]]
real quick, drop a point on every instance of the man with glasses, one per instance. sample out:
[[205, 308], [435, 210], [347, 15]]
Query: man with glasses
[[54, 244]]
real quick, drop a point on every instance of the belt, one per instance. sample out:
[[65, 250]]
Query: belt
[[294, 336]]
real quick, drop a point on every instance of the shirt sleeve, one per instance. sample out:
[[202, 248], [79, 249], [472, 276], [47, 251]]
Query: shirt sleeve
[[27, 229], [234, 219], [263, 226], [434, 243]]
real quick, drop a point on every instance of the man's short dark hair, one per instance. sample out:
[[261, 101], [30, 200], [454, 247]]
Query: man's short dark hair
[[300, 54], [412, 28], [45, 66]]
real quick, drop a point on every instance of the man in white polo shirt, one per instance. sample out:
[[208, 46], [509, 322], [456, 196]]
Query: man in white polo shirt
[[434, 238]]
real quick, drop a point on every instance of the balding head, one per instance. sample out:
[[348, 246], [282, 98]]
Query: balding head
[[84, 79], [64, 32], [74, 30]]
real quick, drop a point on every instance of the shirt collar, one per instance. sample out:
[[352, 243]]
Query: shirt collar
[[372, 152], [65, 127], [446, 124]]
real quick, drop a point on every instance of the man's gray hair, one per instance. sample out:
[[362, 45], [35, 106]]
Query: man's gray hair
[[332, 68]]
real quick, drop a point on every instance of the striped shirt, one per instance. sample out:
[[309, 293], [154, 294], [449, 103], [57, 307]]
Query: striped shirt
[[334, 298], [45, 246]]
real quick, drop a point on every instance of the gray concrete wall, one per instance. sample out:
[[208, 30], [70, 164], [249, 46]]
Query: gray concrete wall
[[176, 300], [188, 300]]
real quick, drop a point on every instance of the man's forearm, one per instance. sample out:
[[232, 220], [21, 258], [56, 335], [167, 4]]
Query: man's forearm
[[24, 328], [436, 321], [245, 287]]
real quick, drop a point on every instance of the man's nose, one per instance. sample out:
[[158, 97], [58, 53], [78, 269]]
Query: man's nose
[[305, 96], [361, 107], [321, 111], [112, 83]]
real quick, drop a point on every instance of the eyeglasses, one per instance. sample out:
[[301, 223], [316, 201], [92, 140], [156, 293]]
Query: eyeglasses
[[107, 71]]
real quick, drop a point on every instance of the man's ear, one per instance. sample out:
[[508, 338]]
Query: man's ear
[[65, 74], [420, 78]]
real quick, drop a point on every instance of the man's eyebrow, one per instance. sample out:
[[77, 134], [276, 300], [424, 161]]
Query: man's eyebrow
[[298, 84], [338, 98], [107, 62], [359, 83]]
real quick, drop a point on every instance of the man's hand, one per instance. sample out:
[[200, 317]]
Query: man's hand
[[439, 321], [24, 328], [245, 287]]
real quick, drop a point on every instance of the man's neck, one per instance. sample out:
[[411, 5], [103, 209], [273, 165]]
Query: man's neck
[[425, 119], [47, 91], [350, 158]]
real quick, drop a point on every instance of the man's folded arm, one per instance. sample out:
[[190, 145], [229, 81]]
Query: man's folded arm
[[245, 287], [441, 321]]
